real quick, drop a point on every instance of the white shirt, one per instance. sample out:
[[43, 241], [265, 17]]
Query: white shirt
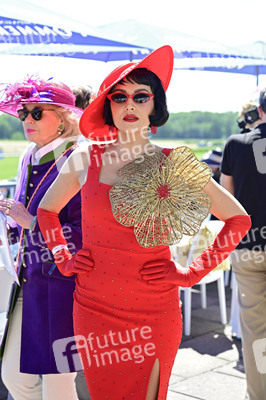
[[38, 153]]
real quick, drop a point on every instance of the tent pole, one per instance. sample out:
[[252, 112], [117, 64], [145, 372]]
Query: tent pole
[[257, 75]]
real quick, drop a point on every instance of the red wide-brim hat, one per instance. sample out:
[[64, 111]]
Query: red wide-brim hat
[[92, 124]]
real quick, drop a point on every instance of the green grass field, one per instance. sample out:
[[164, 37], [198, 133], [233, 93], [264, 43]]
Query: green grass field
[[200, 147], [8, 165], [10, 150]]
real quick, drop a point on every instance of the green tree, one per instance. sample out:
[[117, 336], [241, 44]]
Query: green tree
[[199, 125], [9, 126]]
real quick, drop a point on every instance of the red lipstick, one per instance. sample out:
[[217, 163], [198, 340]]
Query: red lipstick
[[130, 118]]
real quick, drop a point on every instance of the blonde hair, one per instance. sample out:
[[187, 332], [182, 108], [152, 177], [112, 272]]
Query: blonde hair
[[70, 120], [70, 123]]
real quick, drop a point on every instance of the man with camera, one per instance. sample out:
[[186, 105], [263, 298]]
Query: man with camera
[[244, 176]]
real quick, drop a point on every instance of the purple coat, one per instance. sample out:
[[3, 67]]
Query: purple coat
[[47, 299]]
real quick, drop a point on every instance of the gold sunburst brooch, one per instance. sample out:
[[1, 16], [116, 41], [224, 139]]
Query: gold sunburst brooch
[[162, 197]]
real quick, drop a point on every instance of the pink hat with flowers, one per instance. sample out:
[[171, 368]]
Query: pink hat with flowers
[[35, 90], [92, 124]]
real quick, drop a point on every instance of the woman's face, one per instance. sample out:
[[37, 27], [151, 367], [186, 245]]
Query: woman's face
[[132, 116], [45, 130]]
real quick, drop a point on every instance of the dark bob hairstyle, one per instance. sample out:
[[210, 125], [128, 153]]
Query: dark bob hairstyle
[[143, 76]]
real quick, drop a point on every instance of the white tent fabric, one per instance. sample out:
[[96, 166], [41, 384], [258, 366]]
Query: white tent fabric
[[19, 37], [134, 40], [191, 52]]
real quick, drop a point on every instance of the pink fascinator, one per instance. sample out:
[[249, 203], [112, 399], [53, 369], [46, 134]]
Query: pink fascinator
[[35, 90]]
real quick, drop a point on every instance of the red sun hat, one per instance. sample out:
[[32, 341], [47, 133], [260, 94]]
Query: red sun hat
[[92, 124]]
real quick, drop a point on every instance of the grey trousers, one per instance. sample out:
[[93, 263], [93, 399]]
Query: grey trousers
[[250, 272], [81, 387]]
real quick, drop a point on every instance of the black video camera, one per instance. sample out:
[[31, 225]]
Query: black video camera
[[250, 117]]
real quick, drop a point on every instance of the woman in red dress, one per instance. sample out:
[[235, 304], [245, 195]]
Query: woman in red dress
[[137, 199]]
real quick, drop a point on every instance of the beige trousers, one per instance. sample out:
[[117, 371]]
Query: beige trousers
[[27, 386], [250, 272]]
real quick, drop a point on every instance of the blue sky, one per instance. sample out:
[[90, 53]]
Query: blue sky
[[229, 22]]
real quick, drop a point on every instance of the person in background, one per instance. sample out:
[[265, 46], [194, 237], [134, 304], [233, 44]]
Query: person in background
[[244, 176], [213, 158], [248, 117], [36, 316], [83, 96], [127, 309]]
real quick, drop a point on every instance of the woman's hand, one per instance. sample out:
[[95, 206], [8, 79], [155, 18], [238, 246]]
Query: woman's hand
[[166, 271], [79, 263], [17, 211], [162, 272]]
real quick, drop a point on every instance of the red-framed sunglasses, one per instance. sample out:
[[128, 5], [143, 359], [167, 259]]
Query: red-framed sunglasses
[[139, 98]]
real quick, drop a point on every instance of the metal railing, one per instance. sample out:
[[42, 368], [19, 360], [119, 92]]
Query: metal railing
[[10, 186]]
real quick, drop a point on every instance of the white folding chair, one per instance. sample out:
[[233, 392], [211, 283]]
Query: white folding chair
[[196, 246], [5, 288], [211, 277]]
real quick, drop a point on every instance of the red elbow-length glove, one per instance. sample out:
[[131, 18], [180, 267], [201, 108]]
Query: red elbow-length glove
[[166, 271], [68, 265]]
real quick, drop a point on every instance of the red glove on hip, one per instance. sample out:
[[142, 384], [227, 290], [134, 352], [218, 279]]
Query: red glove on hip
[[79, 263], [68, 265], [166, 271]]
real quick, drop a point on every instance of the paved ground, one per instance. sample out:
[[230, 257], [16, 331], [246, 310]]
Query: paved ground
[[209, 363]]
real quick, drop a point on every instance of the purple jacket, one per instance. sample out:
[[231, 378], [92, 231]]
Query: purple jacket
[[47, 299]]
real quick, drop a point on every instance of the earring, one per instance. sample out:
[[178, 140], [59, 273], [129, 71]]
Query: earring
[[153, 129], [60, 129]]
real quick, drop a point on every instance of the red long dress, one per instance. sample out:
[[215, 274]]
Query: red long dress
[[127, 323]]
